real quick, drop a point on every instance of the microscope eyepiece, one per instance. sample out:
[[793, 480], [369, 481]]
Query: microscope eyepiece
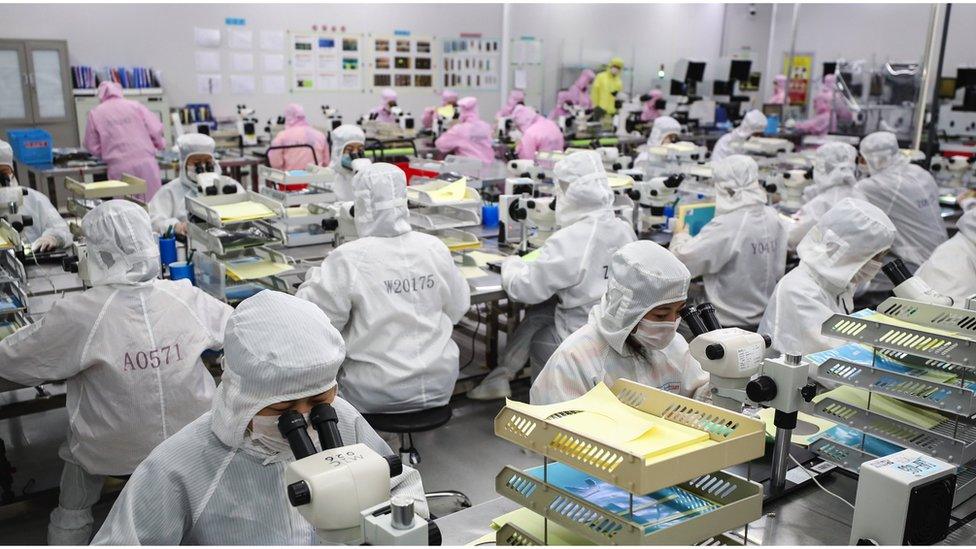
[[326, 423], [292, 426], [693, 320], [707, 313], [896, 271]]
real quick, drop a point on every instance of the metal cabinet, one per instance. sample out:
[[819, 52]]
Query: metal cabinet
[[35, 89]]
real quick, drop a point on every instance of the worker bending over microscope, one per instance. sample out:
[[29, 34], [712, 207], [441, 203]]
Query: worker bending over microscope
[[221, 480], [37, 220]]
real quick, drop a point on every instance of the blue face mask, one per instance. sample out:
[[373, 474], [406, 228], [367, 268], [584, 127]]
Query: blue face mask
[[348, 158]]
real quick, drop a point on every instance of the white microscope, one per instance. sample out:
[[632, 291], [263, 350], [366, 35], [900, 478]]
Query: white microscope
[[12, 220], [953, 171], [247, 126], [627, 117], [344, 491], [332, 117], [613, 161], [652, 197], [739, 374], [523, 168], [909, 286], [793, 182], [517, 213], [213, 183]]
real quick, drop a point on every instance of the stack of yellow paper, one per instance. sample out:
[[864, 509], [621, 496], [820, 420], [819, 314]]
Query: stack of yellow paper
[[914, 415], [447, 111], [598, 415], [441, 192], [252, 270], [532, 524], [808, 427], [242, 211], [298, 211], [482, 259]]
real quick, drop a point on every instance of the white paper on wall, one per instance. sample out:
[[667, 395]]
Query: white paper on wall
[[521, 79], [272, 40], [207, 61], [303, 62], [242, 62], [273, 83], [206, 38], [241, 84], [273, 62], [209, 84], [240, 39]]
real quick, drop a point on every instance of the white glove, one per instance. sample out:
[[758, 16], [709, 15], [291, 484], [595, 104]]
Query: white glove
[[677, 239], [45, 243]]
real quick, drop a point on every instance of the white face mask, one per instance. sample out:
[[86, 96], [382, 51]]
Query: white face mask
[[614, 70], [265, 433], [655, 335], [867, 272]]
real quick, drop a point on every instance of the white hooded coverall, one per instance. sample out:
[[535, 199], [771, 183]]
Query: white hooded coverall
[[741, 252], [643, 275], [907, 194], [168, 206], [753, 122], [46, 219], [395, 295], [129, 349], [211, 483], [846, 238], [951, 270], [833, 179], [343, 136], [572, 265]]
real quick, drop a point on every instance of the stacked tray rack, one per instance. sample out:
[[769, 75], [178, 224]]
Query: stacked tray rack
[[692, 470], [925, 347]]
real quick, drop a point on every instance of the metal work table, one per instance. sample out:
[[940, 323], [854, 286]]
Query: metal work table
[[44, 178]]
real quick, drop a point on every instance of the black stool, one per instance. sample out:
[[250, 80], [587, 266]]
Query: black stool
[[406, 424]]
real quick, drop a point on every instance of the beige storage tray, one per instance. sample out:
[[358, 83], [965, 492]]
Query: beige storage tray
[[732, 439], [97, 189]]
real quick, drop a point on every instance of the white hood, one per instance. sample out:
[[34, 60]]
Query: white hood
[[642, 276], [967, 224], [663, 127], [754, 121], [191, 144], [120, 244], [582, 188], [834, 165], [277, 347], [845, 238], [342, 136], [381, 201], [736, 183], [881, 152]]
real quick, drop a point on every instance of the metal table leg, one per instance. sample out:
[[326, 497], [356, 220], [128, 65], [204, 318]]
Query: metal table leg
[[491, 336]]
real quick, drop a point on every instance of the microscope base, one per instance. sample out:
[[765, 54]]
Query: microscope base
[[796, 479]]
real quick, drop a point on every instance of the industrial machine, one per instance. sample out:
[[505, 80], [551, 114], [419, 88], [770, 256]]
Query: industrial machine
[[958, 117], [903, 499], [344, 490]]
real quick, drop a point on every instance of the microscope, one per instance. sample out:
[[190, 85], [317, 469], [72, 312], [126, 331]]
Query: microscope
[[403, 119], [794, 181], [332, 117], [652, 196], [518, 212], [953, 171], [212, 184], [247, 126], [613, 161], [12, 220], [739, 374], [522, 168], [344, 490], [627, 117], [909, 286]]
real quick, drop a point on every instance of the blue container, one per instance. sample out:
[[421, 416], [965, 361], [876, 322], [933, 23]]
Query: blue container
[[32, 146], [167, 250], [772, 124], [179, 270], [489, 215]]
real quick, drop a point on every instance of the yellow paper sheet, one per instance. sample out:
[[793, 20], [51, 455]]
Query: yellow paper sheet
[[110, 184], [252, 270], [598, 415], [243, 211], [619, 181], [915, 415], [441, 191], [801, 434], [532, 256], [298, 211], [447, 111], [532, 524], [5, 244], [481, 259]]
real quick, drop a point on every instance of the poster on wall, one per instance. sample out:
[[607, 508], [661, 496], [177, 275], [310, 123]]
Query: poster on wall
[[326, 62], [800, 75], [471, 63], [402, 61]]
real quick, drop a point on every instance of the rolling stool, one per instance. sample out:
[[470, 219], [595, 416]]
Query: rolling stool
[[405, 425]]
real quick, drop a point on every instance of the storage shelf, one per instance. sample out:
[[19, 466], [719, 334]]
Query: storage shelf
[[733, 439], [738, 502]]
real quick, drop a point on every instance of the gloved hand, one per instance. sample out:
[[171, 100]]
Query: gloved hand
[[790, 123], [966, 200], [45, 243], [679, 238], [180, 228]]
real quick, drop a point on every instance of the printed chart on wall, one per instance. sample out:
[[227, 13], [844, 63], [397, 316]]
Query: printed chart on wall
[[472, 63], [800, 74], [326, 62], [402, 61]]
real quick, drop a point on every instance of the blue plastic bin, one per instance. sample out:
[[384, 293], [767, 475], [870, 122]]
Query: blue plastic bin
[[32, 146]]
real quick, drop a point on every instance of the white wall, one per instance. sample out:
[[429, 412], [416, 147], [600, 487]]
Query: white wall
[[644, 35], [161, 36]]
